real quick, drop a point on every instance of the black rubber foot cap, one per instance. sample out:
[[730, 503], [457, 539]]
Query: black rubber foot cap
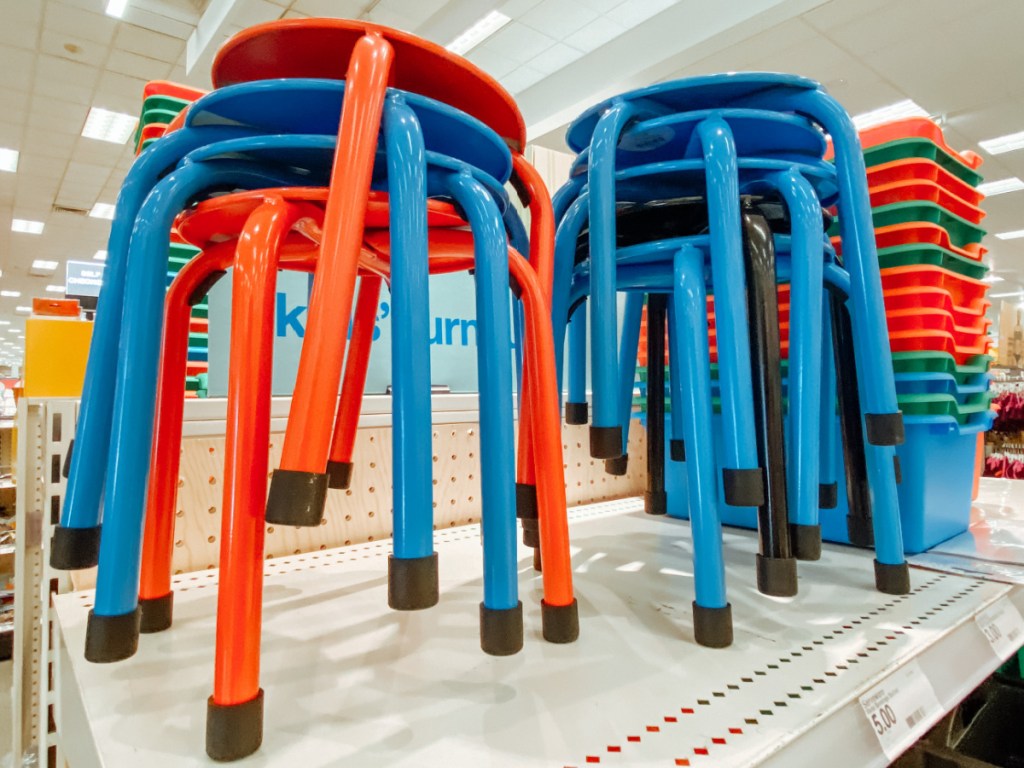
[[157, 613], [776, 576], [712, 627], [655, 502], [605, 442], [617, 466], [743, 487], [828, 495], [501, 631], [892, 579], [412, 582], [531, 533], [884, 428], [74, 548], [112, 638], [577, 413], [296, 498], [560, 623], [339, 475], [677, 450], [526, 501], [806, 541], [234, 731], [860, 531]]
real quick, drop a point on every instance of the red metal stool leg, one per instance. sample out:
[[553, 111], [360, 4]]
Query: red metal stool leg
[[234, 724], [155, 596], [298, 489], [339, 466]]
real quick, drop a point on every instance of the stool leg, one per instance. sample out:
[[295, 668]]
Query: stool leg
[[605, 428], [654, 498], [562, 307], [677, 445], [234, 717], [353, 383], [883, 422], [858, 518], [526, 470], [776, 567], [559, 610], [576, 409], [629, 344], [828, 488], [804, 363], [742, 476], [298, 489], [712, 614], [412, 569], [501, 613], [156, 599]]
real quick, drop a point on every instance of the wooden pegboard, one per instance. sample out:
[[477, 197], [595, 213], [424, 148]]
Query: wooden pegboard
[[363, 512]]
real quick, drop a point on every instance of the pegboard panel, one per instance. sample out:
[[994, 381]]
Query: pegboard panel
[[363, 512]]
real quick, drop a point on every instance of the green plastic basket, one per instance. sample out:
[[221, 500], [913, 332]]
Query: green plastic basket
[[916, 254], [901, 149]]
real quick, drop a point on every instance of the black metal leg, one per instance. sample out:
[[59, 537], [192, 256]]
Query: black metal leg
[[654, 498], [776, 566]]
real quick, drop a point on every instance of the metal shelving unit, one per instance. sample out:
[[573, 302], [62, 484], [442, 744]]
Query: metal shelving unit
[[349, 682]]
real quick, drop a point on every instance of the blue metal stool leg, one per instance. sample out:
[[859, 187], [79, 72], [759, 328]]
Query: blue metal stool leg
[[629, 344], [565, 253], [113, 626], [605, 428], [804, 362], [742, 475], [828, 487], [712, 614], [576, 411], [501, 613], [412, 569]]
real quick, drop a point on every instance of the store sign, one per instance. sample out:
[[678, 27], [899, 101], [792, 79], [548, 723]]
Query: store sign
[[82, 281]]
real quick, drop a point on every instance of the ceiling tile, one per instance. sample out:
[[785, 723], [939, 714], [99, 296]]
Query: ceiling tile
[[493, 63], [120, 92], [554, 58], [71, 73], [72, 48], [145, 42], [16, 60], [595, 34], [516, 8], [519, 42], [132, 64], [632, 12], [522, 78], [331, 8], [558, 18], [85, 23]]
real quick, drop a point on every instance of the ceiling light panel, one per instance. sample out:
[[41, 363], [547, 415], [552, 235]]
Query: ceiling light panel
[[992, 279], [478, 32], [102, 211], [105, 125], [100, 256], [1000, 187], [55, 289], [1014, 235], [44, 265], [8, 160], [10, 294], [897, 111], [116, 8], [27, 226], [23, 310], [1002, 144]]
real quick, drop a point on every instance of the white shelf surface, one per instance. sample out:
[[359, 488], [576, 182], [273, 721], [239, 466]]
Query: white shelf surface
[[350, 683]]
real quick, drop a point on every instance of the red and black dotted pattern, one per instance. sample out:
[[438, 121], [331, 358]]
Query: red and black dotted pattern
[[693, 755]]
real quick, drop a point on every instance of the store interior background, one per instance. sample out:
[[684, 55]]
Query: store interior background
[[959, 60]]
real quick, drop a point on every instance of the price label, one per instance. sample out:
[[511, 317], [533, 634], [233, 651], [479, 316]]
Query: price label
[[900, 709], [1003, 627]]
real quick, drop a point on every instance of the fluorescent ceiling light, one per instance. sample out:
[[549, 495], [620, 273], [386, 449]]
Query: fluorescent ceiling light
[[44, 265], [1005, 295], [478, 32], [23, 310], [115, 127], [10, 294], [102, 211], [100, 256], [1003, 144], [1000, 187], [897, 111], [25, 225], [1017, 233], [992, 279], [13, 330], [8, 160], [5, 322], [56, 288], [116, 8]]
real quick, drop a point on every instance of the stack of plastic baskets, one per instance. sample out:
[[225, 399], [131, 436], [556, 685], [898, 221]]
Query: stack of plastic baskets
[[162, 102], [927, 221]]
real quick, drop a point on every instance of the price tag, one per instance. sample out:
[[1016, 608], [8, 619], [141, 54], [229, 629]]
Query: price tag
[[901, 708], [1003, 627]]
